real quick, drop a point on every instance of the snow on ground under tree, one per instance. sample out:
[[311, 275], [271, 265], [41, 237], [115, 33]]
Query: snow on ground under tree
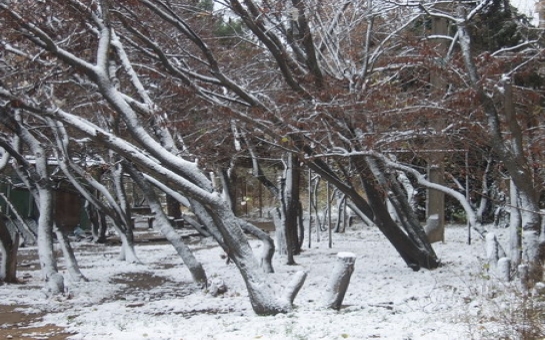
[[385, 299]]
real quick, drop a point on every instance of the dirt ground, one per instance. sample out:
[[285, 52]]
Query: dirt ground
[[18, 326], [17, 323]]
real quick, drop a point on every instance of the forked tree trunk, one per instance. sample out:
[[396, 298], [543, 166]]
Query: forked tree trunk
[[264, 298], [287, 216], [37, 180], [267, 252], [375, 209], [413, 255]]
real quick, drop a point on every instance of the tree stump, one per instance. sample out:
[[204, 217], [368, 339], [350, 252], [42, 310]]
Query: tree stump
[[523, 277], [54, 285], [504, 269], [340, 279], [494, 251], [434, 230]]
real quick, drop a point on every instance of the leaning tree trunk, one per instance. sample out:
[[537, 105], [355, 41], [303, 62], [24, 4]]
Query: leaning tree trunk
[[415, 256], [69, 258], [263, 297], [375, 210], [9, 244], [407, 217], [162, 224], [506, 139]]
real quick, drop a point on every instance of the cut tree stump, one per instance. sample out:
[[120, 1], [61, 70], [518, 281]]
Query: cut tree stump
[[434, 230], [340, 279]]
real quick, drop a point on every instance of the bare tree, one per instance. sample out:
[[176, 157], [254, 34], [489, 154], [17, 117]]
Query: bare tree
[[151, 154]]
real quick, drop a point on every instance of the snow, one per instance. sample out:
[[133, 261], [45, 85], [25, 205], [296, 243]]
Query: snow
[[345, 254], [385, 298]]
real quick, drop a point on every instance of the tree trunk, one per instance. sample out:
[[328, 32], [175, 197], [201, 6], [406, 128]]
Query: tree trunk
[[279, 230], [127, 252], [40, 187], [399, 200], [511, 153], [228, 179], [124, 225], [162, 224], [414, 256], [340, 224], [263, 297], [173, 208], [291, 194], [69, 257], [267, 243], [376, 211], [98, 223], [99, 226], [493, 251], [9, 244], [435, 202], [288, 216], [515, 226]]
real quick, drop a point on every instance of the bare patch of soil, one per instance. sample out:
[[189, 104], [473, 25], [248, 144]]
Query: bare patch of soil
[[145, 286], [17, 325]]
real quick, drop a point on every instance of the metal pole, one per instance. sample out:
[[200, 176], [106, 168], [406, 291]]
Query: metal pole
[[330, 243], [260, 200], [309, 208]]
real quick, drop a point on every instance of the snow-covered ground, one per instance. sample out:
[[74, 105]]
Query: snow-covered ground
[[385, 299]]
